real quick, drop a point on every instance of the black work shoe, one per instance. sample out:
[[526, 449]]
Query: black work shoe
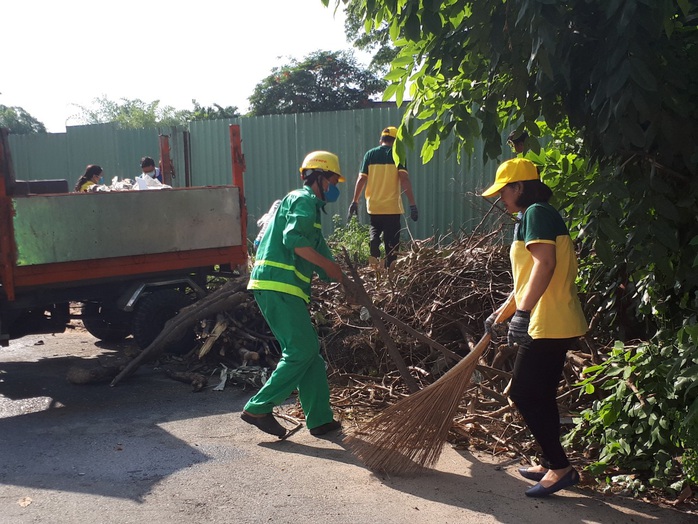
[[531, 475], [266, 423], [326, 428], [569, 479]]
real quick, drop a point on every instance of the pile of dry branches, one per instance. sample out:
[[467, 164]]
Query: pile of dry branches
[[445, 293]]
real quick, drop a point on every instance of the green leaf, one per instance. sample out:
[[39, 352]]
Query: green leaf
[[431, 21], [412, 27], [666, 234], [593, 369], [395, 74], [617, 79], [633, 132], [685, 6], [427, 152], [612, 230], [692, 415], [604, 251], [642, 75], [390, 92], [665, 207]]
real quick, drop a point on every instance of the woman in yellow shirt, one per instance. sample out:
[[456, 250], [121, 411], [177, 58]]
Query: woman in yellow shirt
[[91, 177], [548, 320]]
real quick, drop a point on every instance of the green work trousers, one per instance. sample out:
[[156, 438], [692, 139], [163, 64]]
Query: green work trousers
[[301, 367]]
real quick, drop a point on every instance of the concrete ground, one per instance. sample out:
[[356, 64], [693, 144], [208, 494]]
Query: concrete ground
[[150, 450]]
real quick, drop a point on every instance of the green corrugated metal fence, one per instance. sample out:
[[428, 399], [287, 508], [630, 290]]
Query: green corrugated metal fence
[[274, 148]]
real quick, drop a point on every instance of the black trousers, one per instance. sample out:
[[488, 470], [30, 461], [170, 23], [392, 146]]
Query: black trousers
[[389, 227], [537, 372]]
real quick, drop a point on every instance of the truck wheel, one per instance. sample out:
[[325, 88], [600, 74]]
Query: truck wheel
[[151, 314], [106, 322]]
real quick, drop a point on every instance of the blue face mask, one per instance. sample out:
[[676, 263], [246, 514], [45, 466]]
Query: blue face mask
[[332, 193], [101, 180]]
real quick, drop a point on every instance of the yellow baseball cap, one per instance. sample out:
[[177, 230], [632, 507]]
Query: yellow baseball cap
[[514, 170], [390, 131]]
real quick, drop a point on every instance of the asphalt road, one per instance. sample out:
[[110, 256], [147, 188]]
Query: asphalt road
[[150, 450]]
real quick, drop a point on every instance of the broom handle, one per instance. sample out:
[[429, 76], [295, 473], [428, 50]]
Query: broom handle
[[393, 351], [507, 309]]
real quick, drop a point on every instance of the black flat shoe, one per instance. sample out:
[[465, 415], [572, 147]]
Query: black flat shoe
[[569, 479], [531, 475], [266, 423], [326, 428]]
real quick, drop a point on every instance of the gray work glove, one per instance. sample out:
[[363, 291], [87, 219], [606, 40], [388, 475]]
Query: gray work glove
[[489, 322], [414, 213], [518, 329], [353, 210]]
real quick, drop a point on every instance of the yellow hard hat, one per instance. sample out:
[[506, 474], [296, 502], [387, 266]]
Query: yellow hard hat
[[323, 161], [514, 170]]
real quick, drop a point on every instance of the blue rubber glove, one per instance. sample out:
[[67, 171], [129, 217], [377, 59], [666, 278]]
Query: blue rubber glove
[[414, 213], [518, 329]]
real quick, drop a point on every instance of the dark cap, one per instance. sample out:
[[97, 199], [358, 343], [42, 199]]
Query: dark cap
[[515, 136]]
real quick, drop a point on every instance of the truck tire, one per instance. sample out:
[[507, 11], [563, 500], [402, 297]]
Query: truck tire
[[106, 322], [151, 314]]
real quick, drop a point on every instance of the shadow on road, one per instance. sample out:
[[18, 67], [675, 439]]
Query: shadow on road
[[93, 438], [487, 488]]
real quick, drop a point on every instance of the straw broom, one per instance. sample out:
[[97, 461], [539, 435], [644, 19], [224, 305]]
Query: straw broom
[[410, 434]]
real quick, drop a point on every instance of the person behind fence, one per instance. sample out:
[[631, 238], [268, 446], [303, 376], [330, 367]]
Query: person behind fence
[[382, 179], [548, 318], [148, 168], [517, 141], [89, 179], [291, 250]]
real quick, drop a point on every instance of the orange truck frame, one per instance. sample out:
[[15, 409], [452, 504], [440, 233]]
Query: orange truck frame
[[131, 258]]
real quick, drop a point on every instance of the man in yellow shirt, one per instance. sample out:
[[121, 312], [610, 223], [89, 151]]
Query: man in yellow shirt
[[383, 180]]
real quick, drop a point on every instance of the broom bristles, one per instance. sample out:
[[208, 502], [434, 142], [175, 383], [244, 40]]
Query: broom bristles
[[410, 434]]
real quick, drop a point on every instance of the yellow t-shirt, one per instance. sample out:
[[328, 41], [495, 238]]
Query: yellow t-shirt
[[558, 313], [383, 194], [87, 185]]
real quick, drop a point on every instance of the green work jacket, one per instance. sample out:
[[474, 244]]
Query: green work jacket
[[295, 224]]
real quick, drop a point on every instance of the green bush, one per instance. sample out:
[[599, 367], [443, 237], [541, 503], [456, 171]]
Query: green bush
[[353, 236], [648, 420]]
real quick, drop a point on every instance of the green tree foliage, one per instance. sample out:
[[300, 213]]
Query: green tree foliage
[[214, 112], [375, 40], [610, 88], [323, 81], [18, 121], [620, 71], [128, 113], [137, 114]]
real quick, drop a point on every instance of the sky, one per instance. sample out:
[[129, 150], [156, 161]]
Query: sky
[[61, 54]]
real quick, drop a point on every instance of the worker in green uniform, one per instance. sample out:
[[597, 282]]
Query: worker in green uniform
[[291, 250]]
